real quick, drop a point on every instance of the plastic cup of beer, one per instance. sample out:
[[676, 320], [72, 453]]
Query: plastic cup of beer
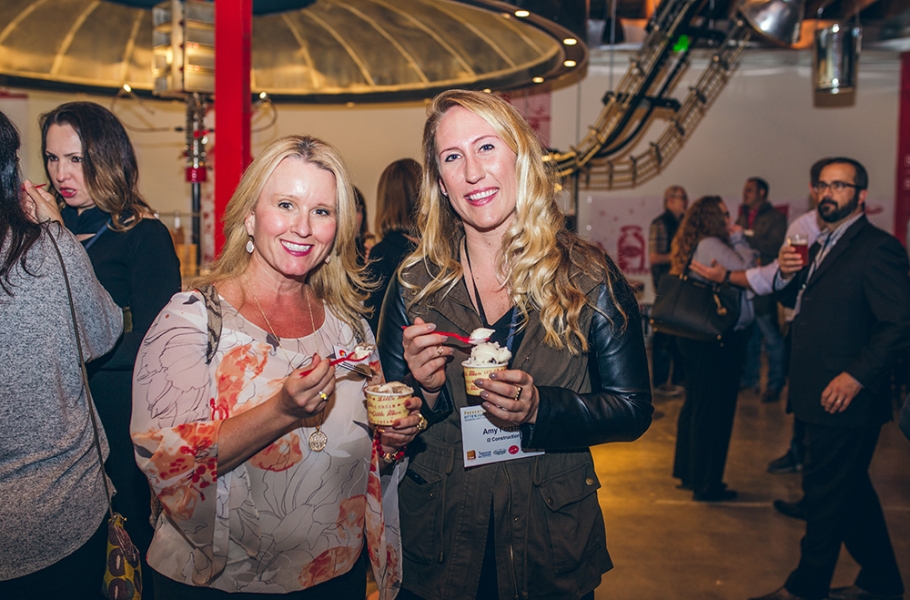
[[472, 373], [385, 402], [800, 243]]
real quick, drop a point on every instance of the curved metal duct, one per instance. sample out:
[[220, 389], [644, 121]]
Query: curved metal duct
[[330, 51], [601, 160]]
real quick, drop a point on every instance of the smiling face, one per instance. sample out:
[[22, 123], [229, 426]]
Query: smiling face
[[294, 221], [63, 155], [477, 171]]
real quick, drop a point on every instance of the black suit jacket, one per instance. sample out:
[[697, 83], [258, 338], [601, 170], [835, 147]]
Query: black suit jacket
[[855, 317]]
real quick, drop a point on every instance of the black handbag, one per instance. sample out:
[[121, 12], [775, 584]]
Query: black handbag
[[693, 309]]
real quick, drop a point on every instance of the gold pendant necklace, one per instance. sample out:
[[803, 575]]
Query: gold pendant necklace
[[318, 439]]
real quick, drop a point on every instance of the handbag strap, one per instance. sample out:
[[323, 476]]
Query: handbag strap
[[88, 391]]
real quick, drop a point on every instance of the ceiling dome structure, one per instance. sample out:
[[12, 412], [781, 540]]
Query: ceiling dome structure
[[324, 51]]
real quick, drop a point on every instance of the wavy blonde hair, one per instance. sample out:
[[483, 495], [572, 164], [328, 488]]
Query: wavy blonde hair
[[703, 219], [340, 281], [539, 257]]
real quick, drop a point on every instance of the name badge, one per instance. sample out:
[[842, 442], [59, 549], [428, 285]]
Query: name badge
[[485, 443]]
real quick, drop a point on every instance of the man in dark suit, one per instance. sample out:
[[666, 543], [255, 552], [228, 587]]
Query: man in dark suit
[[853, 319]]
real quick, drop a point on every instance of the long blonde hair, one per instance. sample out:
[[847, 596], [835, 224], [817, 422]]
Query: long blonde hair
[[340, 281], [538, 257]]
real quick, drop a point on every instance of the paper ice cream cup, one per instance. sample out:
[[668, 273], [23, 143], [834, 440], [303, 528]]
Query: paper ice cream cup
[[383, 408], [471, 373]]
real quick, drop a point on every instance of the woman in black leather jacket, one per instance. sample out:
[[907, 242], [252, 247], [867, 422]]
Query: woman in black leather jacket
[[479, 518]]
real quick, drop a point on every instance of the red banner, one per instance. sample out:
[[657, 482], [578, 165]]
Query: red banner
[[902, 195]]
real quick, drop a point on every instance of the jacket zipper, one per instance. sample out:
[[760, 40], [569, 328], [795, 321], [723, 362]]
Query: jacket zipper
[[509, 526]]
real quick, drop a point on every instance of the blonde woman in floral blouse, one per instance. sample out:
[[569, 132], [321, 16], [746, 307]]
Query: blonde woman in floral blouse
[[257, 447]]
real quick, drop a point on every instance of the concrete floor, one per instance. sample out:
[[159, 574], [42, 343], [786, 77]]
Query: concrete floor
[[665, 546]]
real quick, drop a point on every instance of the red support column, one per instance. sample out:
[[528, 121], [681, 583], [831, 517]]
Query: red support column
[[233, 46], [902, 190]]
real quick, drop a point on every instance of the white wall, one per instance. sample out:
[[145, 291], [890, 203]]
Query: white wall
[[763, 123]]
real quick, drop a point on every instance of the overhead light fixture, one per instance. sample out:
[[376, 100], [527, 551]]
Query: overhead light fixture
[[836, 56], [777, 20], [537, 80], [521, 14], [570, 41], [569, 63]]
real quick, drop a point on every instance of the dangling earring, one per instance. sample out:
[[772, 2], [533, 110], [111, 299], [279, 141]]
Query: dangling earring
[[249, 245], [328, 259]]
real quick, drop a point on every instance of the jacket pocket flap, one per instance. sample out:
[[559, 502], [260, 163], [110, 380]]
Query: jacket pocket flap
[[431, 464], [568, 488]]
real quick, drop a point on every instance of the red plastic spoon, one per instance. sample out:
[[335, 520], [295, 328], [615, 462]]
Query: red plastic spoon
[[461, 338]]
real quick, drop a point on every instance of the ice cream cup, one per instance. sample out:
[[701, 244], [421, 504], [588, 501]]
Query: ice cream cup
[[383, 408], [472, 373]]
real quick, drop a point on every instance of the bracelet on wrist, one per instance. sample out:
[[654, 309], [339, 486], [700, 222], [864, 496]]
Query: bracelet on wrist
[[727, 277], [429, 391], [388, 458]]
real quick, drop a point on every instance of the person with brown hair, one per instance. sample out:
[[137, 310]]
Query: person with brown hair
[[495, 253], [396, 203], [91, 166], [713, 368]]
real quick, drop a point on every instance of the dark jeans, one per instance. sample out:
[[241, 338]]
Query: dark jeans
[[352, 584], [842, 508], [765, 328], [665, 353], [78, 576], [706, 418]]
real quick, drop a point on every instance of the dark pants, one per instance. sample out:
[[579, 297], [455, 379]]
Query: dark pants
[[406, 595], [842, 508], [706, 418], [112, 392], [664, 352], [352, 584], [78, 576]]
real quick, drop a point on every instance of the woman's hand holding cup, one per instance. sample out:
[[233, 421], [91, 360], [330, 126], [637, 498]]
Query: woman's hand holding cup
[[510, 396]]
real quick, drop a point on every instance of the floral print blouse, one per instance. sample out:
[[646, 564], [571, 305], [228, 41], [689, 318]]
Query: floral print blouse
[[288, 518]]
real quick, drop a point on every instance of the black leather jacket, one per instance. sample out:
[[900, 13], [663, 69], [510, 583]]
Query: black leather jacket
[[547, 524]]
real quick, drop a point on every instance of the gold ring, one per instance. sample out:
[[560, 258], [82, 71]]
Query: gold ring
[[422, 422], [323, 396], [439, 350], [518, 392]]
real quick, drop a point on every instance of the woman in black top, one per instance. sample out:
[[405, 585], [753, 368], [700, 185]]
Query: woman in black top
[[396, 199], [90, 163]]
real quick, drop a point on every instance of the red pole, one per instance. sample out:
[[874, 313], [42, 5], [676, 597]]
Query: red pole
[[902, 195], [233, 45]]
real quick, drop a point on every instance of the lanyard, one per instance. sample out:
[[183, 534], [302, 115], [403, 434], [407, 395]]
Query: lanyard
[[88, 243], [819, 257], [483, 316]]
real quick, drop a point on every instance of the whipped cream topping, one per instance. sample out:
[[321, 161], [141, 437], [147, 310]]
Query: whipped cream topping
[[487, 354]]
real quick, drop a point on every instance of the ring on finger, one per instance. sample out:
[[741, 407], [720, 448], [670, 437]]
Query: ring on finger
[[439, 350], [323, 396], [517, 391], [421, 422]]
